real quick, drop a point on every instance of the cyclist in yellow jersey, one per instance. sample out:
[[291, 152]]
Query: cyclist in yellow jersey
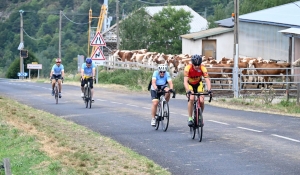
[[87, 71], [192, 81]]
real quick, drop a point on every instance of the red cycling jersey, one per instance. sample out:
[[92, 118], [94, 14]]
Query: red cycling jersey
[[195, 74]]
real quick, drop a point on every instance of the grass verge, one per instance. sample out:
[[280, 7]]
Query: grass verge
[[37, 142]]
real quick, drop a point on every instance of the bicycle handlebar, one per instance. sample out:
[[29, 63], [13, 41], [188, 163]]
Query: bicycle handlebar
[[201, 93], [164, 91], [91, 78]]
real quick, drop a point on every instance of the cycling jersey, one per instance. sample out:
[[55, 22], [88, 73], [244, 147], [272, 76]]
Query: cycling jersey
[[160, 81], [57, 69], [88, 71], [194, 75]]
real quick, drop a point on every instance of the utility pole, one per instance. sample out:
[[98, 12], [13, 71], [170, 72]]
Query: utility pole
[[59, 44], [236, 48], [22, 42], [117, 15]]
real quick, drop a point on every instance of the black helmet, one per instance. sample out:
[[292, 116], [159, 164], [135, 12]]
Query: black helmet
[[196, 59]]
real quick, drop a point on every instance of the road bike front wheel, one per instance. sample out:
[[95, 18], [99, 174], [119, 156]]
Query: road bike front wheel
[[56, 94], [194, 127], [165, 116], [200, 125], [88, 98], [158, 116]]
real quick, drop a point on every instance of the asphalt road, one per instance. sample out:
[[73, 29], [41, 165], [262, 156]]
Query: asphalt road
[[234, 141]]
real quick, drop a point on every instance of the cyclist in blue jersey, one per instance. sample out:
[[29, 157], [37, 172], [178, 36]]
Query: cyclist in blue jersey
[[160, 79], [57, 71], [88, 71]]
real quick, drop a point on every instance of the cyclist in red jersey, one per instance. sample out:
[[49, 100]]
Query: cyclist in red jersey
[[192, 81]]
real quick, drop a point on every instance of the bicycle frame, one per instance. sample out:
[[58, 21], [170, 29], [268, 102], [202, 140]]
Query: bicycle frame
[[162, 115], [198, 117], [87, 94]]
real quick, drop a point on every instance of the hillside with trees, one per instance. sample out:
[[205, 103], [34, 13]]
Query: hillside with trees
[[41, 26]]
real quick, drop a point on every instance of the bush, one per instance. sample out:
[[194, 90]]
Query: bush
[[178, 83]]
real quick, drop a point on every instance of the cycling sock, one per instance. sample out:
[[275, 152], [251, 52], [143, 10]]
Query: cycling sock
[[190, 118]]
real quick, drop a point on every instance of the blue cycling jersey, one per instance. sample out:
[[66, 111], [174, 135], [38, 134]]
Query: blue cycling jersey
[[57, 69], [88, 71], [160, 80]]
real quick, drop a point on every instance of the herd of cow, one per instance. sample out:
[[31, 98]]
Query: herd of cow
[[252, 69]]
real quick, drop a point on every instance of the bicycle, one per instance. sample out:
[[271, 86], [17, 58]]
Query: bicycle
[[162, 116], [198, 116], [87, 98], [56, 93]]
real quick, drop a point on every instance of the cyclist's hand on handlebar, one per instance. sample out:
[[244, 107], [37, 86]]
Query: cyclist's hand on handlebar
[[171, 90], [210, 92], [188, 93]]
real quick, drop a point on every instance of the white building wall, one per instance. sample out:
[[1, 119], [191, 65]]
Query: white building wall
[[224, 45], [263, 40], [191, 47]]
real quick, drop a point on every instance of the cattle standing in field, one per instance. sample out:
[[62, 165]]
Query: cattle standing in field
[[267, 70]]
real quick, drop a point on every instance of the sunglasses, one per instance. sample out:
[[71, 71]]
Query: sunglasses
[[58, 62], [162, 72], [196, 64]]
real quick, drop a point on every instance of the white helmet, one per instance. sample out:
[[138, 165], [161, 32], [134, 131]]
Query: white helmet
[[162, 67]]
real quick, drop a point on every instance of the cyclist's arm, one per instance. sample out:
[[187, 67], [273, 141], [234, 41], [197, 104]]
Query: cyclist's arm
[[82, 73], [186, 78], [171, 84], [186, 84], [207, 80], [52, 70], [94, 72], [154, 83], [206, 77]]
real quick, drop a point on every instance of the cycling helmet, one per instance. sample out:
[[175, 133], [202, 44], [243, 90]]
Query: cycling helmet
[[58, 60], [88, 60], [196, 59], [162, 67]]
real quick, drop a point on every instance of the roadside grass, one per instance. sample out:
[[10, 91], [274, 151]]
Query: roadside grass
[[37, 142]]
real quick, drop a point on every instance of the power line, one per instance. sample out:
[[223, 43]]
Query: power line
[[73, 21], [30, 36], [155, 3]]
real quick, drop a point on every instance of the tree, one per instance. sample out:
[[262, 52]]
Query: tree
[[166, 28], [14, 68], [134, 30]]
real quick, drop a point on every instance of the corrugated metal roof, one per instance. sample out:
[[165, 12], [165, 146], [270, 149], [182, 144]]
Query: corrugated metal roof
[[283, 15], [225, 22], [291, 32], [207, 33], [198, 23]]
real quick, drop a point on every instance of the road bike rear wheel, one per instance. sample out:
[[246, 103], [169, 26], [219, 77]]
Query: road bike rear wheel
[[56, 94], [157, 116], [165, 117], [200, 125]]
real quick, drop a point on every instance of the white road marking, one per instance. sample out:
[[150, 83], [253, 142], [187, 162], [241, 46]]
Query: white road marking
[[172, 112], [116, 102], [184, 115], [101, 100], [294, 140], [218, 122], [132, 105], [249, 129], [146, 108]]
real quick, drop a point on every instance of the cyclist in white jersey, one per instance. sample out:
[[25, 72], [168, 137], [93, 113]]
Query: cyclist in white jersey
[[88, 70], [160, 79], [58, 72]]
